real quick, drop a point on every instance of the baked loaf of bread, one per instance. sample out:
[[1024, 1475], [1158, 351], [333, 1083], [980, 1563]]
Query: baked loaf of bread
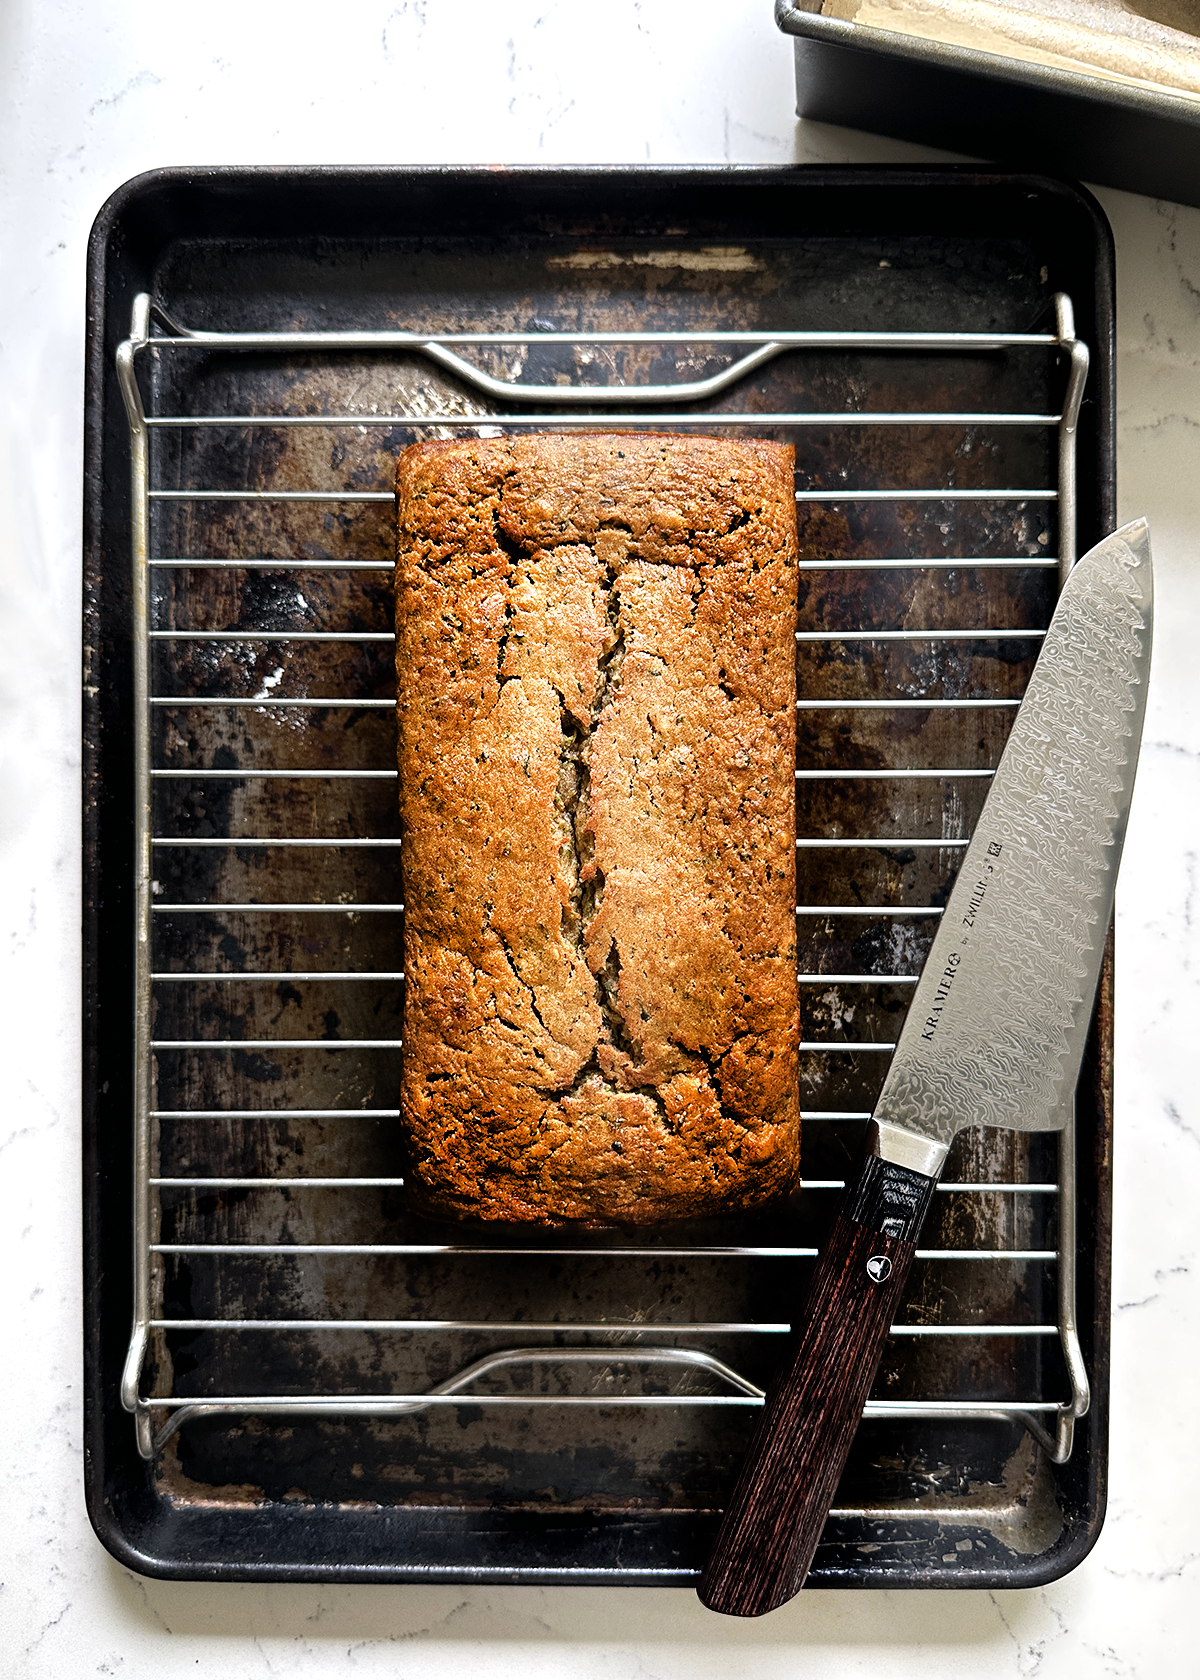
[[596, 676]]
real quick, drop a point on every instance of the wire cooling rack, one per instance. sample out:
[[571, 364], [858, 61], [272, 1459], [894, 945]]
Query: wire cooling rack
[[719, 369]]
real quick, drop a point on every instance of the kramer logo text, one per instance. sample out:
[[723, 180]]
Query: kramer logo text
[[940, 996], [974, 904]]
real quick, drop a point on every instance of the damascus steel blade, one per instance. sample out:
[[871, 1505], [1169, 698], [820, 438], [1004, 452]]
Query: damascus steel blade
[[996, 1030]]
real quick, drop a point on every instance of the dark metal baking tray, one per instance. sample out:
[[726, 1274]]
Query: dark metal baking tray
[[1026, 116], [627, 1493]]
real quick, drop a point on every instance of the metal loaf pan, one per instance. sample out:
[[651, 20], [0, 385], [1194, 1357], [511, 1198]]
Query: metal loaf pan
[[542, 1480], [1026, 116]]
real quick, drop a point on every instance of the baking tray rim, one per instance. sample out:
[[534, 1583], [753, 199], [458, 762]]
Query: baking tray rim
[[228, 178]]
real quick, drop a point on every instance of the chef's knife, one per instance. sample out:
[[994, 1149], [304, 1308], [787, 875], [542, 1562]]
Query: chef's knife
[[994, 1036]]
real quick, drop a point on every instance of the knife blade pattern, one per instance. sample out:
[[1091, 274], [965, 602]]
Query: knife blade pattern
[[996, 1030]]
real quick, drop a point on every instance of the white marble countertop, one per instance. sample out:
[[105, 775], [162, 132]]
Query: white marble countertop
[[91, 96]]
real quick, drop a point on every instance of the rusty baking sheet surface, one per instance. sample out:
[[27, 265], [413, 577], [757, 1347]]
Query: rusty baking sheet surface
[[621, 1480]]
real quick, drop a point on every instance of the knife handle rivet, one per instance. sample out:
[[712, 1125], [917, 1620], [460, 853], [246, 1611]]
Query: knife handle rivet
[[879, 1268]]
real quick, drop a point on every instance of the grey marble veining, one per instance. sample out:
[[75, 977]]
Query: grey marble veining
[[91, 96]]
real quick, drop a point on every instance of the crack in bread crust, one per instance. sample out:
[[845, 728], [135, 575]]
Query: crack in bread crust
[[597, 733]]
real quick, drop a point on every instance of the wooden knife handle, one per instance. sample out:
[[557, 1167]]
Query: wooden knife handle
[[774, 1519]]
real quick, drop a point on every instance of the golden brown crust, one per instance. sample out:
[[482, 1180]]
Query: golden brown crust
[[596, 674]]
